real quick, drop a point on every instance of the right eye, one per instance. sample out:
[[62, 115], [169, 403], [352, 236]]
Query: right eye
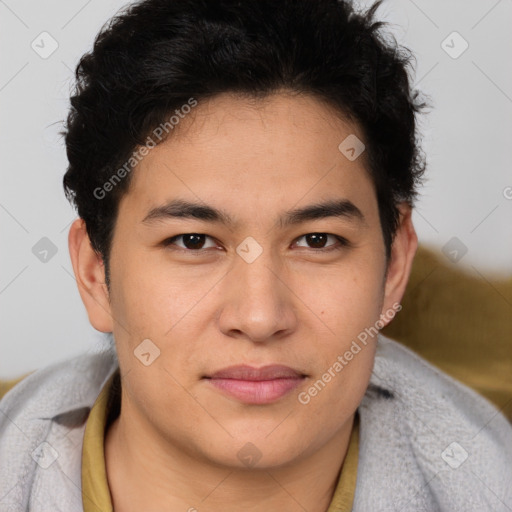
[[191, 242]]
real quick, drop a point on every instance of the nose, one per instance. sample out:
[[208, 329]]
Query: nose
[[258, 304]]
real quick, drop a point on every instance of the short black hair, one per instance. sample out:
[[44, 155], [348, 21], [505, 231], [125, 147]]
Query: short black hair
[[155, 56]]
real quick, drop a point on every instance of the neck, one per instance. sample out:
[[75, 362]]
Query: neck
[[147, 472]]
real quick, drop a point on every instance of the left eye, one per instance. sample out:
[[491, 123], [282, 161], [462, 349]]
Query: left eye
[[318, 240]]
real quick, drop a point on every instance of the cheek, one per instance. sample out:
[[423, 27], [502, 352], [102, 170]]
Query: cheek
[[333, 395], [345, 299], [150, 298], [150, 306], [150, 303], [348, 305]]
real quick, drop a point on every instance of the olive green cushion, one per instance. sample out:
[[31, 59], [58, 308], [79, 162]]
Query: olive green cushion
[[460, 321]]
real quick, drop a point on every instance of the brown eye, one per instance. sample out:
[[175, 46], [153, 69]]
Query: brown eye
[[319, 241], [189, 241], [193, 241]]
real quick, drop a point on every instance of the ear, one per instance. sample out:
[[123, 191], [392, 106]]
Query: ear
[[90, 277], [403, 250]]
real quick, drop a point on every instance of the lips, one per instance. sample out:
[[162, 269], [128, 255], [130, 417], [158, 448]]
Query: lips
[[256, 386], [245, 372]]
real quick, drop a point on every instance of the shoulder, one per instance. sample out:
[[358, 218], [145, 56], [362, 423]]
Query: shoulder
[[58, 388], [42, 420], [419, 384], [432, 439]]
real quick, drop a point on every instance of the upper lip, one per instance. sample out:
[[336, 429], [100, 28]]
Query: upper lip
[[245, 372]]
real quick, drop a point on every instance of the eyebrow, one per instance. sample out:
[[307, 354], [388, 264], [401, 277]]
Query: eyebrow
[[180, 208]]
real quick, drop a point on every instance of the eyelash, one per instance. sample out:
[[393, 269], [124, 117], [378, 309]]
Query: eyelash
[[343, 243]]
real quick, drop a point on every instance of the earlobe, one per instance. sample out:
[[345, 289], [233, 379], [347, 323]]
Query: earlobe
[[403, 251], [90, 277]]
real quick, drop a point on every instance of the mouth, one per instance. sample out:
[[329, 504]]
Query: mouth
[[256, 386]]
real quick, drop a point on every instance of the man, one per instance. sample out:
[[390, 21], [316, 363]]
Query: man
[[244, 175]]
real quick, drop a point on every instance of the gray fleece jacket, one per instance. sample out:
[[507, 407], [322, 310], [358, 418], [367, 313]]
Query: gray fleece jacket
[[427, 442]]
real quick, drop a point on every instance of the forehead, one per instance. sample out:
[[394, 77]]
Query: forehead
[[254, 153]]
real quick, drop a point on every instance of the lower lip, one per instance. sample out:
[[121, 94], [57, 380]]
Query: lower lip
[[257, 392]]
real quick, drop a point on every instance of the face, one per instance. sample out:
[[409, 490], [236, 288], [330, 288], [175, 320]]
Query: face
[[257, 274]]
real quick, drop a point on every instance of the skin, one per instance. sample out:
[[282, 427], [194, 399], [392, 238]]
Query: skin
[[176, 441]]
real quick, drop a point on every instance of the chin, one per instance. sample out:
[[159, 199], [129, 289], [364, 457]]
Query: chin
[[259, 451]]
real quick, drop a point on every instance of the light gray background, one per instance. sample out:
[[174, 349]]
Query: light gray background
[[467, 137]]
